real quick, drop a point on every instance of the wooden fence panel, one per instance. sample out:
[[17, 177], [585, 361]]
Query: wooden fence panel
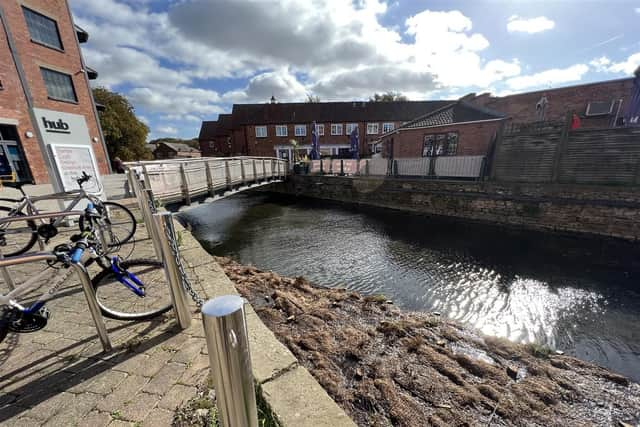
[[526, 157], [413, 167]]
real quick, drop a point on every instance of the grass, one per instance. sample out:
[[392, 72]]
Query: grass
[[538, 350], [116, 415]]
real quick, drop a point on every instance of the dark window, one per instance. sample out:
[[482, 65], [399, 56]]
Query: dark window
[[599, 108], [440, 144], [42, 29], [1, 87], [59, 85], [452, 144]]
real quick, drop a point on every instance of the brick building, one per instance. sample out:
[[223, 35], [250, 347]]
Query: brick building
[[457, 129], [471, 123], [48, 120], [174, 150], [267, 129]]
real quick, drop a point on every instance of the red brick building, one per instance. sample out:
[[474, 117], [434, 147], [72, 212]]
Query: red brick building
[[47, 112], [457, 129], [470, 124], [267, 129]]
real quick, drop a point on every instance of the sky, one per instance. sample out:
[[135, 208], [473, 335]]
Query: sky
[[180, 62]]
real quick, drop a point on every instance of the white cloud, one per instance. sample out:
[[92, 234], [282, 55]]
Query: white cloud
[[628, 66], [530, 26], [279, 83], [637, 9], [550, 77], [167, 130]]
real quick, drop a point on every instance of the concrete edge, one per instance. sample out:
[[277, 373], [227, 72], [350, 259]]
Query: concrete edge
[[294, 396]]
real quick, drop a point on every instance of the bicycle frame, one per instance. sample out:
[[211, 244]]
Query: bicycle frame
[[28, 202]]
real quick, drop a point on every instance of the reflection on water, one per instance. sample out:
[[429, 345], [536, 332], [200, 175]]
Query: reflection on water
[[503, 284]]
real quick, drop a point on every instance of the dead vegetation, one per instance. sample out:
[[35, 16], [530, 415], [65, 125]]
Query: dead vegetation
[[391, 368]]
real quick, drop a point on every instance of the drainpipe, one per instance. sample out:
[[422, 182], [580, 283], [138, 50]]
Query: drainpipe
[[86, 81]]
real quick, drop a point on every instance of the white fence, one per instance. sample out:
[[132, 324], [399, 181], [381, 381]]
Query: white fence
[[466, 167], [175, 180]]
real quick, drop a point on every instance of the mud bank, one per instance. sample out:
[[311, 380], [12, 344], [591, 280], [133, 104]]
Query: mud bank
[[387, 367]]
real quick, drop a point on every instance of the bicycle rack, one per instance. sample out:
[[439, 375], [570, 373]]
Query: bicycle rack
[[83, 275]]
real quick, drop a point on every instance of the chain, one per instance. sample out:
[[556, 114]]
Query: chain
[[186, 283]]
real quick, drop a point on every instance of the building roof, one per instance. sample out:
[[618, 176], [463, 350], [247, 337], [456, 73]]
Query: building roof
[[179, 147], [456, 112], [220, 127], [326, 112]]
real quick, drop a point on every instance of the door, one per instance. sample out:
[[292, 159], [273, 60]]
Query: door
[[12, 157]]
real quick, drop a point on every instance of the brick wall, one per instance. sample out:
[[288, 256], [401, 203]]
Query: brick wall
[[33, 56], [473, 139], [522, 107], [266, 146]]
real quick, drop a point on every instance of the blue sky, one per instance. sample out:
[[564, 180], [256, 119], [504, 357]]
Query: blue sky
[[180, 62]]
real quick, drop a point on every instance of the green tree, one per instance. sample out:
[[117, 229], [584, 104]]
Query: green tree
[[387, 97], [124, 133]]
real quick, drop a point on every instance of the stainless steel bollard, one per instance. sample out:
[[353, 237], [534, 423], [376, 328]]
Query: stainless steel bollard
[[145, 210], [225, 327], [164, 226], [92, 302]]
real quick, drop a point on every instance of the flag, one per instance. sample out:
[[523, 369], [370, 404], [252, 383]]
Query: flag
[[632, 116], [355, 147], [315, 146]]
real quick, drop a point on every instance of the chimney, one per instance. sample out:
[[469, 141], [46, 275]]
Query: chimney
[[273, 99]]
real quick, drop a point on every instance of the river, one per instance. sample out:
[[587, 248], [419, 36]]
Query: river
[[503, 283]]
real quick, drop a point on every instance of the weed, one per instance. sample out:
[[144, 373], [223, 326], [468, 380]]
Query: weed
[[116, 415]]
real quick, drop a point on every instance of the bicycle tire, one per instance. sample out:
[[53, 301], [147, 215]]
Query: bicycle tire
[[129, 230], [110, 293], [34, 233]]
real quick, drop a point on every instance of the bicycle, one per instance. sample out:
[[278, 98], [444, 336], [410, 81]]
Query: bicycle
[[122, 287], [117, 220]]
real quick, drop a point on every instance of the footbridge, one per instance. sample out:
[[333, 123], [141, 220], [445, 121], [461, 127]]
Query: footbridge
[[182, 180]]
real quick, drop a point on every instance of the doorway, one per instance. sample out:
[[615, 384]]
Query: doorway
[[12, 159]]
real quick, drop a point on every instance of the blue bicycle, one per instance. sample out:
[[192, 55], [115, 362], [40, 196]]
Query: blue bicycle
[[125, 289]]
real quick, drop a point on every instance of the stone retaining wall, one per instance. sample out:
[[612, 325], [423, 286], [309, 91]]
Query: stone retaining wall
[[585, 210]]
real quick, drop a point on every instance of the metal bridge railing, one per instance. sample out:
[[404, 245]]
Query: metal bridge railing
[[182, 179]]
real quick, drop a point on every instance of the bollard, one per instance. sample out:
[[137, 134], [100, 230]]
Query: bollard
[[145, 210], [170, 256], [225, 327], [6, 276], [90, 294]]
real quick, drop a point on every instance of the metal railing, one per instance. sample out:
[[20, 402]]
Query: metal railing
[[182, 179], [456, 167]]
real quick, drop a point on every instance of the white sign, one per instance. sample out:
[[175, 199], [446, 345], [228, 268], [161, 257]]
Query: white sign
[[57, 127], [71, 161]]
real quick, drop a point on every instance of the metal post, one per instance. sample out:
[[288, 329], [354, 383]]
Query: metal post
[[185, 185], [255, 171], [145, 176], [170, 257], [90, 295], [366, 168], [227, 171], [207, 169], [6, 276], [242, 170], [144, 203], [225, 328]]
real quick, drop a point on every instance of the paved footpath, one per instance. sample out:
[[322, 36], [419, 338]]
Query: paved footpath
[[59, 375]]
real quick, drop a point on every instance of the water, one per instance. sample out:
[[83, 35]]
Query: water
[[525, 287]]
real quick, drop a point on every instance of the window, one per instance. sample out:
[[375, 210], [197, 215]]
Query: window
[[599, 108], [261, 131], [59, 85], [351, 127], [281, 130], [301, 130], [372, 128], [441, 144], [336, 128], [43, 30], [320, 130], [387, 127]]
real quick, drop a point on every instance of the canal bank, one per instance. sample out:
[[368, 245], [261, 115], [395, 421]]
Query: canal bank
[[385, 366], [596, 211]]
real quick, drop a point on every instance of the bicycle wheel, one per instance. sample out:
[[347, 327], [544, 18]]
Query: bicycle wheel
[[16, 237], [117, 301], [119, 224]]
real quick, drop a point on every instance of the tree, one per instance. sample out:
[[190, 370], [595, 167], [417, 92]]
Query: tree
[[313, 98], [124, 134], [388, 97]]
